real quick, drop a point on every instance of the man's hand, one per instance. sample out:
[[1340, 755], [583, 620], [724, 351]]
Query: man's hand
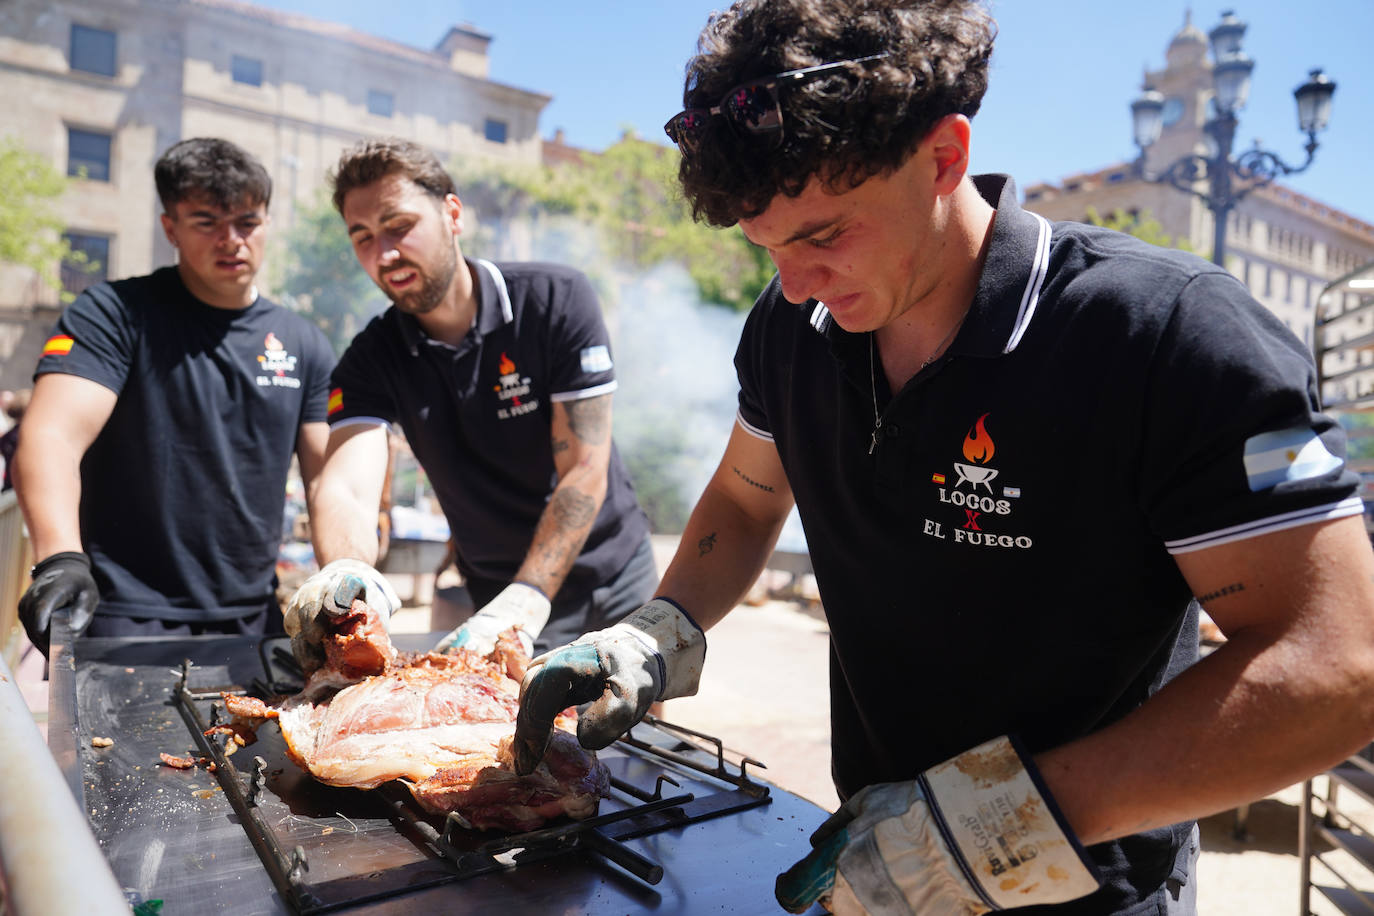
[[331, 593], [518, 605], [654, 654], [970, 835], [62, 580]]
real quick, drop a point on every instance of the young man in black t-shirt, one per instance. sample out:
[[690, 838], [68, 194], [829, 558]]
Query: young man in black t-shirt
[[501, 378], [1023, 454], [153, 461]]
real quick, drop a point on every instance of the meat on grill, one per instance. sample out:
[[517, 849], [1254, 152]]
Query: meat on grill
[[440, 723]]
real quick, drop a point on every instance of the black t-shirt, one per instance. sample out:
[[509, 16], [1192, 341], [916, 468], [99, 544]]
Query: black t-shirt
[[1002, 562], [478, 416], [182, 491]]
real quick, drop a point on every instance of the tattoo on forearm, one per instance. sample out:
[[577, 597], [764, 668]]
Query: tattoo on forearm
[[1227, 590], [561, 445], [706, 544], [749, 480], [572, 509], [590, 419]]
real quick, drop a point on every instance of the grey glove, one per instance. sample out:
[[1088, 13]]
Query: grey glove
[[654, 654], [518, 605], [330, 593]]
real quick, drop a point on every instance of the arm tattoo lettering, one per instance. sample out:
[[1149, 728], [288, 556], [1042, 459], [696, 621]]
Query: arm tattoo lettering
[[706, 544], [749, 480], [1225, 590], [590, 419]]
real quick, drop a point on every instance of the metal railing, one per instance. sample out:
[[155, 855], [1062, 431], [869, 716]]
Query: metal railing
[[14, 575]]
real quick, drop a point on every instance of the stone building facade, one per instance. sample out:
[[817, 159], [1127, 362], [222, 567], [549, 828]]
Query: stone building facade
[[101, 89], [1285, 246]]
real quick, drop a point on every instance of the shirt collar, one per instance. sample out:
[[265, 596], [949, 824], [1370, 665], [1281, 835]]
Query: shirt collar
[[1013, 276], [493, 306]]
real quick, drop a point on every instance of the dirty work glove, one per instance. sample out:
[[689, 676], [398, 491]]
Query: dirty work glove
[[654, 654], [62, 580], [330, 593], [976, 833], [518, 605]]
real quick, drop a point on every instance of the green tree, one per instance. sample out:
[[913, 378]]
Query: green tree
[[1143, 226], [320, 275], [628, 194], [30, 230]]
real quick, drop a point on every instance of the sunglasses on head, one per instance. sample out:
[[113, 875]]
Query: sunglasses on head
[[750, 108]]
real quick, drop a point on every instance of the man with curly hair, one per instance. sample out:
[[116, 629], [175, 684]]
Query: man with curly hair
[[1024, 455]]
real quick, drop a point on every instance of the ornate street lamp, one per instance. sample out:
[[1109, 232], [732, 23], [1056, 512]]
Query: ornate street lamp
[[1228, 180]]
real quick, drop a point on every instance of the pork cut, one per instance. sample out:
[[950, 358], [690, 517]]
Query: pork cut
[[440, 723]]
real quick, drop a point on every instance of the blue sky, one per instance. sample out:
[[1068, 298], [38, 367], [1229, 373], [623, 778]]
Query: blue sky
[[1064, 73]]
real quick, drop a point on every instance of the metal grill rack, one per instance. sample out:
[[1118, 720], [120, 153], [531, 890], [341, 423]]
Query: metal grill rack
[[450, 852]]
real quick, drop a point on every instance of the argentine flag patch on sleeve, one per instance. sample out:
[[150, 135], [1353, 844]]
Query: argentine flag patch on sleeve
[[596, 359], [1286, 454]]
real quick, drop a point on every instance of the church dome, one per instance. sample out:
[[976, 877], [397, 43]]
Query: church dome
[[1189, 47]]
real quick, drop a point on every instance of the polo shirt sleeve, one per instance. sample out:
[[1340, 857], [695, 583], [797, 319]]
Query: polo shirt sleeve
[[359, 389], [750, 361], [580, 363], [320, 365], [1234, 441], [95, 338]]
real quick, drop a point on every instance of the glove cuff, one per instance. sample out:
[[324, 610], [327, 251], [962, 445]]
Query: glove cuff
[[989, 805], [676, 641], [59, 558]]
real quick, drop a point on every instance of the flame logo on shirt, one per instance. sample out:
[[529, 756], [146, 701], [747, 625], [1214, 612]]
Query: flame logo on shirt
[[511, 384], [275, 359], [978, 447]]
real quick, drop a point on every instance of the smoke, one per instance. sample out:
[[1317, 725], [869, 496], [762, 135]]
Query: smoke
[[674, 355]]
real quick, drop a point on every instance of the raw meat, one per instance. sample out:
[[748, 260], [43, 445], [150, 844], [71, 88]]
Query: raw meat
[[440, 723]]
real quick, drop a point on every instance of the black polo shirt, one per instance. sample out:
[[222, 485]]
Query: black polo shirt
[[478, 416], [1002, 561], [182, 491]]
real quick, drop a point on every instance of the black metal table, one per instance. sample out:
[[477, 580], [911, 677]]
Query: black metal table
[[173, 835]]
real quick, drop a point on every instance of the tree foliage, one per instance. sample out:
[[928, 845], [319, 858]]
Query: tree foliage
[[1142, 225], [321, 277], [30, 229], [627, 195]]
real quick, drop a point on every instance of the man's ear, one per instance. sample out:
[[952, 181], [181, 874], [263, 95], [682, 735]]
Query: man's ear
[[453, 212], [167, 225], [948, 142]]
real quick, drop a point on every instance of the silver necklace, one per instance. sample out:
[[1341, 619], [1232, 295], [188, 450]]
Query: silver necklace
[[873, 376]]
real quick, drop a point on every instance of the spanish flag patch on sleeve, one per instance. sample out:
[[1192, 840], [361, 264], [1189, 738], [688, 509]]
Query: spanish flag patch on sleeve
[[335, 401], [58, 345]]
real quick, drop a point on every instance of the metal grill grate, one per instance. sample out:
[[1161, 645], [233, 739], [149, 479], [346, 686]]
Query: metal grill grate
[[453, 852]]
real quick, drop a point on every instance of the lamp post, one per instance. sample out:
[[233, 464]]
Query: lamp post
[[1228, 179]]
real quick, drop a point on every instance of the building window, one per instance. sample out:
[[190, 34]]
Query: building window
[[1116, 177], [246, 70], [91, 263], [495, 130], [88, 154], [93, 50], [379, 103]]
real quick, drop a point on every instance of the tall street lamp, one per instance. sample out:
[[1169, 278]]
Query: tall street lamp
[[1228, 180]]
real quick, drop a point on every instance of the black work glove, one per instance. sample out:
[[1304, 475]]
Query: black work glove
[[62, 580]]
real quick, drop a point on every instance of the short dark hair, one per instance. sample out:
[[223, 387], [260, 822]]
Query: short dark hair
[[863, 121], [377, 157], [211, 168]]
